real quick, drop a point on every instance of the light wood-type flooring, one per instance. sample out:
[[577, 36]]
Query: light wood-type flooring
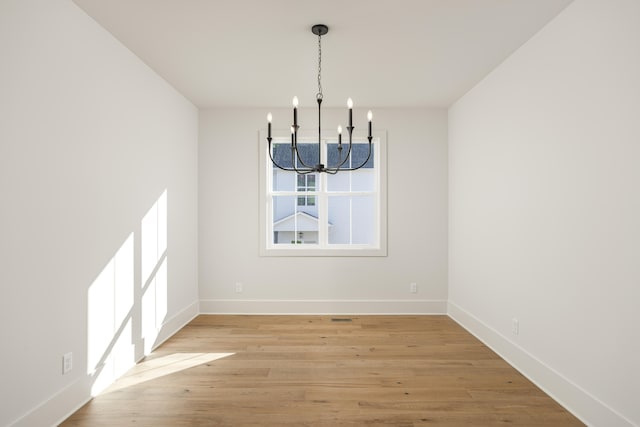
[[315, 371]]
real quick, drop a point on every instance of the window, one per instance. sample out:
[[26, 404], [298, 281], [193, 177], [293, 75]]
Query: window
[[306, 183], [319, 214]]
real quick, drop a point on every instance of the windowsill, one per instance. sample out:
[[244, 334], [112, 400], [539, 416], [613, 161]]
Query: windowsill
[[307, 251]]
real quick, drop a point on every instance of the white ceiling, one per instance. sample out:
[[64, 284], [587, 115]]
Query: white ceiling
[[382, 53]]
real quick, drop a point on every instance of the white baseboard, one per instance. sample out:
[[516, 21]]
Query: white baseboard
[[65, 402], [176, 322], [237, 306], [59, 406], [578, 401]]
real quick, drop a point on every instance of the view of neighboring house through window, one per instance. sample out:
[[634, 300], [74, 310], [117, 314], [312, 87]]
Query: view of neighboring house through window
[[320, 211], [306, 183]]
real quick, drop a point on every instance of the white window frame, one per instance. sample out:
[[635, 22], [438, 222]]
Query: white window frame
[[268, 248]]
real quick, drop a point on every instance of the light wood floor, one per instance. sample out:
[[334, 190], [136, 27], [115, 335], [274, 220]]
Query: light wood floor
[[312, 371]]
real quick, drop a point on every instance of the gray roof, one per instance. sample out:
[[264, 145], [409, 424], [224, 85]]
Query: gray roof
[[309, 154]]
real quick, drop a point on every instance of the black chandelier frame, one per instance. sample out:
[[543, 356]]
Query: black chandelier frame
[[319, 30]]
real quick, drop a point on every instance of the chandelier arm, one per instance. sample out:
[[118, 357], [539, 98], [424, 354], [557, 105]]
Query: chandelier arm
[[341, 163], [305, 171], [302, 171], [339, 166], [365, 160], [333, 171], [292, 169], [295, 148], [273, 160], [306, 166]]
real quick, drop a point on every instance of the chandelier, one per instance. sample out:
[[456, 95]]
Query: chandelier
[[297, 163]]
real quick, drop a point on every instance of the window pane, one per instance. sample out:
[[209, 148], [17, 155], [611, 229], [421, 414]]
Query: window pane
[[359, 152], [293, 224], [283, 181], [339, 182], [362, 179], [281, 153], [358, 180], [339, 220], [351, 219], [363, 216]]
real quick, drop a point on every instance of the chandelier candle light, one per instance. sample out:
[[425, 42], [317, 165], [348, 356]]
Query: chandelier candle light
[[300, 166]]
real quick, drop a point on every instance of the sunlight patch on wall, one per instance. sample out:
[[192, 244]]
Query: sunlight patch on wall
[[154, 236], [154, 306], [125, 316], [154, 271], [110, 349]]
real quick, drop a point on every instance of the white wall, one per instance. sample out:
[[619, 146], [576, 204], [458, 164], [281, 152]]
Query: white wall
[[229, 215], [90, 139], [545, 208]]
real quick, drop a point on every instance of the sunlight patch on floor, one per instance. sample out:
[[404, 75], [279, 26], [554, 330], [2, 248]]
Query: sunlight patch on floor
[[162, 366]]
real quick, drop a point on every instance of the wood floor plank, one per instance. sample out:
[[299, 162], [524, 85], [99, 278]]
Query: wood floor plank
[[312, 371]]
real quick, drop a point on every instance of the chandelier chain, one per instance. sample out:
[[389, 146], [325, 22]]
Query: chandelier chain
[[319, 95]]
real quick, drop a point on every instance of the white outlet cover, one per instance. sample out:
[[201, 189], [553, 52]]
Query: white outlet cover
[[67, 363]]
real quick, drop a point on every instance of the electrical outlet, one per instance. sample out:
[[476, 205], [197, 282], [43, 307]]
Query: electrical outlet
[[515, 326], [67, 363], [413, 288], [239, 287]]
